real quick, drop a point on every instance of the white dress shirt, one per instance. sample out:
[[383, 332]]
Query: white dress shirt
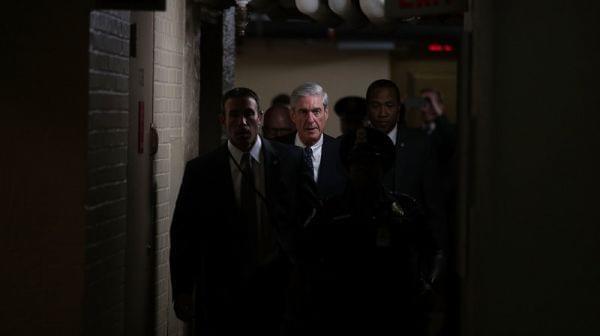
[[257, 168], [266, 249], [393, 134], [316, 153], [429, 127]]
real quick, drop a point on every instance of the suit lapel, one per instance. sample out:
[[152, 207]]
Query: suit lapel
[[400, 153], [272, 171], [223, 173], [324, 164]]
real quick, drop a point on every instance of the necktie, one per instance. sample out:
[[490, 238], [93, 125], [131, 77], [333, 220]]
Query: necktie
[[248, 204], [309, 162]]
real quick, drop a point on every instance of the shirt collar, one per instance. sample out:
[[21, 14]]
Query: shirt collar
[[393, 134], [429, 127], [317, 144], [254, 151]]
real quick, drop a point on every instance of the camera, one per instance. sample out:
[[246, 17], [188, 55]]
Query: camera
[[417, 102]]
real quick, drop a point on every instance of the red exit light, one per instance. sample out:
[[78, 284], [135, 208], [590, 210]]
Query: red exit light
[[440, 48]]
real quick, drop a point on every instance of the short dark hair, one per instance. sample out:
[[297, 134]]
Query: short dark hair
[[281, 99], [352, 107], [383, 83], [240, 92]]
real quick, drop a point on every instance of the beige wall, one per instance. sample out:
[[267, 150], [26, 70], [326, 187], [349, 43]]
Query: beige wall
[[271, 67]]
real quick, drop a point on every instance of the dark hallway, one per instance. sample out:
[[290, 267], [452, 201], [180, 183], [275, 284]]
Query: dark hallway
[[106, 101]]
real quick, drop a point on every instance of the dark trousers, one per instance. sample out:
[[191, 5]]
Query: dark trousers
[[254, 308]]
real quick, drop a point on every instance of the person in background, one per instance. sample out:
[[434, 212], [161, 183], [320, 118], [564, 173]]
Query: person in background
[[442, 134], [277, 122], [281, 99], [436, 124], [443, 137], [352, 112]]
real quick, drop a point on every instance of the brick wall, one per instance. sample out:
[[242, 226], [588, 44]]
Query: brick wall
[[169, 30], [106, 202]]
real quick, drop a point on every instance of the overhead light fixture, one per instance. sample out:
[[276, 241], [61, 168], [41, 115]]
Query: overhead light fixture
[[366, 45], [319, 11], [374, 10], [347, 10], [308, 6]]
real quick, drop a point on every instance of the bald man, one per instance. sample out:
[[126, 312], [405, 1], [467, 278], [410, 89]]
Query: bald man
[[277, 122]]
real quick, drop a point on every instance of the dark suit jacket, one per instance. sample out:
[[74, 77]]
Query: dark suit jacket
[[416, 173], [210, 240], [443, 139], [331, 179]]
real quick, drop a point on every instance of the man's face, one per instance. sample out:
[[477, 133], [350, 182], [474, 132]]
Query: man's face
[[241, 120], [383, 109], [428, 112], [310, 115], [278, 123]]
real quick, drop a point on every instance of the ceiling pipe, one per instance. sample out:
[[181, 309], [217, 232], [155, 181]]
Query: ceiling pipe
[[349, 11], [319, 11], [375, 11], [241, 17]]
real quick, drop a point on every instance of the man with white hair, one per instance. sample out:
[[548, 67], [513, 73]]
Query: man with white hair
[[310, 112]]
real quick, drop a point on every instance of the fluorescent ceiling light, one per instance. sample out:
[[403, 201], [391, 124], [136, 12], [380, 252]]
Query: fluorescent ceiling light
[[366, 45]]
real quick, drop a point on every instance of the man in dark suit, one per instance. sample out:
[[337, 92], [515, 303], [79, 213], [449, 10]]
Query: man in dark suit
[[310, 112], [415, 170], [362, 247], [442, 134], [437, 126], [233, 233]]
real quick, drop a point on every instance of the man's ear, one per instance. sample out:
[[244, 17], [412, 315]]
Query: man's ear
[[260, 117], [221, 118]]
